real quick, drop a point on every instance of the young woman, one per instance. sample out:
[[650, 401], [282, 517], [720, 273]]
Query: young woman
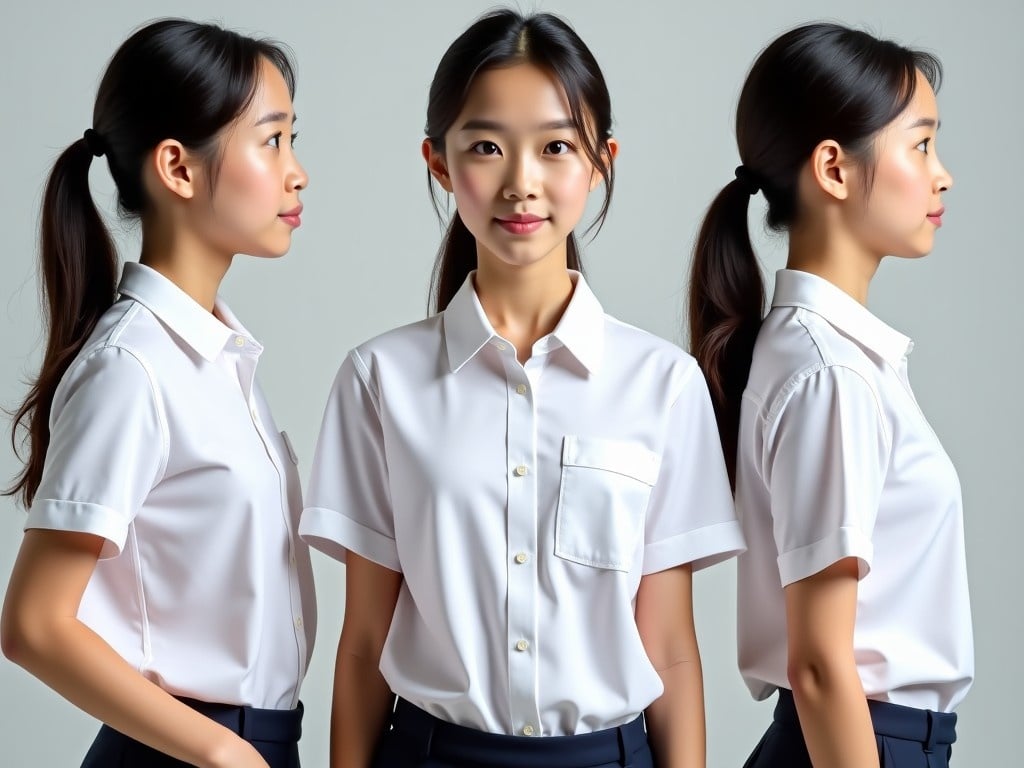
[[853, 593], [520, 485], [161, 585]]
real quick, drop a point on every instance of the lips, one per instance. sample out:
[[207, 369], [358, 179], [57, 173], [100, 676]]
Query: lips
[[936, 217], [520, 223], [292, 217]]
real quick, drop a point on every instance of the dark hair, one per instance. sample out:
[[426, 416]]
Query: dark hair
[[172, 79], [504, 38], [815, 82]]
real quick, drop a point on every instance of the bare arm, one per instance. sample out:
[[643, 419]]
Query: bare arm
[[664, 616], [362, 699], [820, 614], [41, 632]]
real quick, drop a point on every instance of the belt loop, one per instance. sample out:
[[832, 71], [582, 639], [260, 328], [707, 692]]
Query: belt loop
[[241, 724], [929, 743], [625, 754]]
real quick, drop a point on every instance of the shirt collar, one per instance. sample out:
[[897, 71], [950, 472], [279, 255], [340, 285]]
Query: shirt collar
[[794, 288], [580, 330], [198, 328]]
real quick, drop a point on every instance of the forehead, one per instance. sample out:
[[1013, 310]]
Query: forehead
[[923, 105], [271, 93], [522, 94]]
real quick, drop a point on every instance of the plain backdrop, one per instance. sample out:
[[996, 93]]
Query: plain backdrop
[[361, 261]]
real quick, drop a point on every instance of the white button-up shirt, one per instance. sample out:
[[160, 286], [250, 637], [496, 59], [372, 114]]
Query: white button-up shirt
[[836, 460], [162, 443], [522, 504]]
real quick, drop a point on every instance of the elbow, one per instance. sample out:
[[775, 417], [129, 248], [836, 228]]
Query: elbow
[[21, 639], [12, 642], [816, 678]]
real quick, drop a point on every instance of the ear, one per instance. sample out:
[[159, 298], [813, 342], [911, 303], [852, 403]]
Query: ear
[[436, 164], [175, 168], [610, 151], [830, 170]]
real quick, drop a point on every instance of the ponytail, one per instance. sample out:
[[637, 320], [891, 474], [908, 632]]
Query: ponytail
[[726, 307], [172, 78], [79, 269]]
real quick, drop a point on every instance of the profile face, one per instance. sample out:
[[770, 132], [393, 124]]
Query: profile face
[[904, 206], [516, 166], [254, 207]]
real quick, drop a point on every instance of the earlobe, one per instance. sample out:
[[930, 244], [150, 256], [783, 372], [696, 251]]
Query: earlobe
[[829, 169], [436, 164], [174, 168]]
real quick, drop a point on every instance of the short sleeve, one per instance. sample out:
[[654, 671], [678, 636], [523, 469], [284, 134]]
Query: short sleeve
[[107, 450], [348, 501], [824, 459], [691, 517]]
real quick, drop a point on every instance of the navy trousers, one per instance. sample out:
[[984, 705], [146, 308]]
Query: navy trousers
[[274, 733], [906, 737], [415, 739]]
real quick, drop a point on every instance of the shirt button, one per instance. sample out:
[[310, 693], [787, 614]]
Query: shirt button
[[521, 389], [522, 557], [298, 622], [520, 470], [501, 347], [239, 341], [527, 730], [522, 645]]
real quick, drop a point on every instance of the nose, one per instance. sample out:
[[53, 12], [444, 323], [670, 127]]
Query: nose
[[296, 177], [522, 178], [943, 179]]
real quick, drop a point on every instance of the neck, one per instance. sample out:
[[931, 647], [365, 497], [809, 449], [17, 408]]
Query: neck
[[185, 261], [835, 257], [523, 304]]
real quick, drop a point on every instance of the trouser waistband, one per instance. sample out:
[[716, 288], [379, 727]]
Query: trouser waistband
[[436, 738]]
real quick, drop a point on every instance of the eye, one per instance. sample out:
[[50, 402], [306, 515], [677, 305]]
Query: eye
[[923, 146], [485, 148], [275, 140], [295, 137], [558, 147]]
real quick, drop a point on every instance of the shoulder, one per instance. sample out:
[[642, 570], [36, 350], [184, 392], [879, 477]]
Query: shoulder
[[418, 339], [796, 347], [644, 352]]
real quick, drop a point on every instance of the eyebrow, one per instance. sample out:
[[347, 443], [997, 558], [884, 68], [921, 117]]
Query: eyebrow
[[925, 122], [492, 125], [275, 117]]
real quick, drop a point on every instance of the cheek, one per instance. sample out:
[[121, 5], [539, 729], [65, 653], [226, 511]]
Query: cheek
[[472, 187], [904, 187], [571, 186], [244, 182]]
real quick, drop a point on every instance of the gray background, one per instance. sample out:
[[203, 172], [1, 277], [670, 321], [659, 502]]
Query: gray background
[[361, 261]]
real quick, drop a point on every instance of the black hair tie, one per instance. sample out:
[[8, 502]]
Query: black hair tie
[[748, 179], [95, 142]]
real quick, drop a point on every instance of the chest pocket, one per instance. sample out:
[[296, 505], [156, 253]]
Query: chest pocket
[[602, 500]]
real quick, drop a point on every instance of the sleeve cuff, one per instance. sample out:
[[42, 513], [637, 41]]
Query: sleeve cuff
[[81, 517], [333, 534], [700, 547], [806, 561]]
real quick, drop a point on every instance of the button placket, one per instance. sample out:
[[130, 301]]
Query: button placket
[[521, 543]]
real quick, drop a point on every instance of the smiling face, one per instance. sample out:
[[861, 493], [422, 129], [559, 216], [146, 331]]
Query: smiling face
[[254, 206], [904, 206], [516, 166]]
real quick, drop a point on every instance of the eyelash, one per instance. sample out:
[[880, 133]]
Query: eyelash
[[476, 148], [277, 138], [925, 144]]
